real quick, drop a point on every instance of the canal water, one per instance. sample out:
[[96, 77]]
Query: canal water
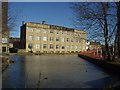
[[55, 71]]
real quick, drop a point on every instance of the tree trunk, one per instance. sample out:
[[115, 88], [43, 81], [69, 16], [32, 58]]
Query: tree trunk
[[118, 31], [104, 6], [106, 40], [5, 31], [117, 40]]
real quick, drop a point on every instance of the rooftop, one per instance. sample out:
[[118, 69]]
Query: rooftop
[[55, 26], [11, 39], [95, 43]]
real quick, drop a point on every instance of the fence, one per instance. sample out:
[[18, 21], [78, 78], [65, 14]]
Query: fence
[[96, 54]]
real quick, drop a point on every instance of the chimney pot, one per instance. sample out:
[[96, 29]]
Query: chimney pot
[[43, 22]]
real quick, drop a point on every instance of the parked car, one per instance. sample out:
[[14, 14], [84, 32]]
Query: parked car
[[13, 50]]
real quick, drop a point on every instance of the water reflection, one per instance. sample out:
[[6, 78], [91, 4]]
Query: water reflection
[[54, 71]]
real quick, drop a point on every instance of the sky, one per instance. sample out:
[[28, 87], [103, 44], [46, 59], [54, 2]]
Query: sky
[[62, 0], [56, 13]]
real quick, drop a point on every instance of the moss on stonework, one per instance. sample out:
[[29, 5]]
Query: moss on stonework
[[5, 62]]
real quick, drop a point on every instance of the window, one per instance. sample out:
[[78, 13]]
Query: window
[[67, 47], [72, 34], [30, 46], [44, 38], [72, 46], [4, 40], [76, 47], [30, 29], [83, 40], [72, 40], [44, 31], [3, 49], [83, 48], [67, 39], [57, 32], [57, 39], [51, 32], [80, 41], [68, 33], [38, 30], [63, 47], [44, 46], [37, 46], [30, 37], [51, 46], [51, 39], [80, 34], [57, 46], [63, 40], [80, 47], [38, 38], [76, 40], [76, 34]]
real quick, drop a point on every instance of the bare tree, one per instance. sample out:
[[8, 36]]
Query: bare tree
[[13, 14], [98, 19], [4, 18], [0, 27], [9, 19], [10, 16], [0, 18], [5, 32], [117, 40]]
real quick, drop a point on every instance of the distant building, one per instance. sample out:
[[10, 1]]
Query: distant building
[[46, 38], [93, 45], [87, 44], [14, 43]]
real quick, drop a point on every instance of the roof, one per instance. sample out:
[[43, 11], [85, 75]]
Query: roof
[[11, 40], [95, 43], [56, 27]]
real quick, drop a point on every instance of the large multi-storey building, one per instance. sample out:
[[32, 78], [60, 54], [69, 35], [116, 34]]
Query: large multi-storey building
[[46, 38]]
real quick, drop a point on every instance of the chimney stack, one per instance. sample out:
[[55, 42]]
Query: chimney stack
[[22, 22], [43, 22]]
